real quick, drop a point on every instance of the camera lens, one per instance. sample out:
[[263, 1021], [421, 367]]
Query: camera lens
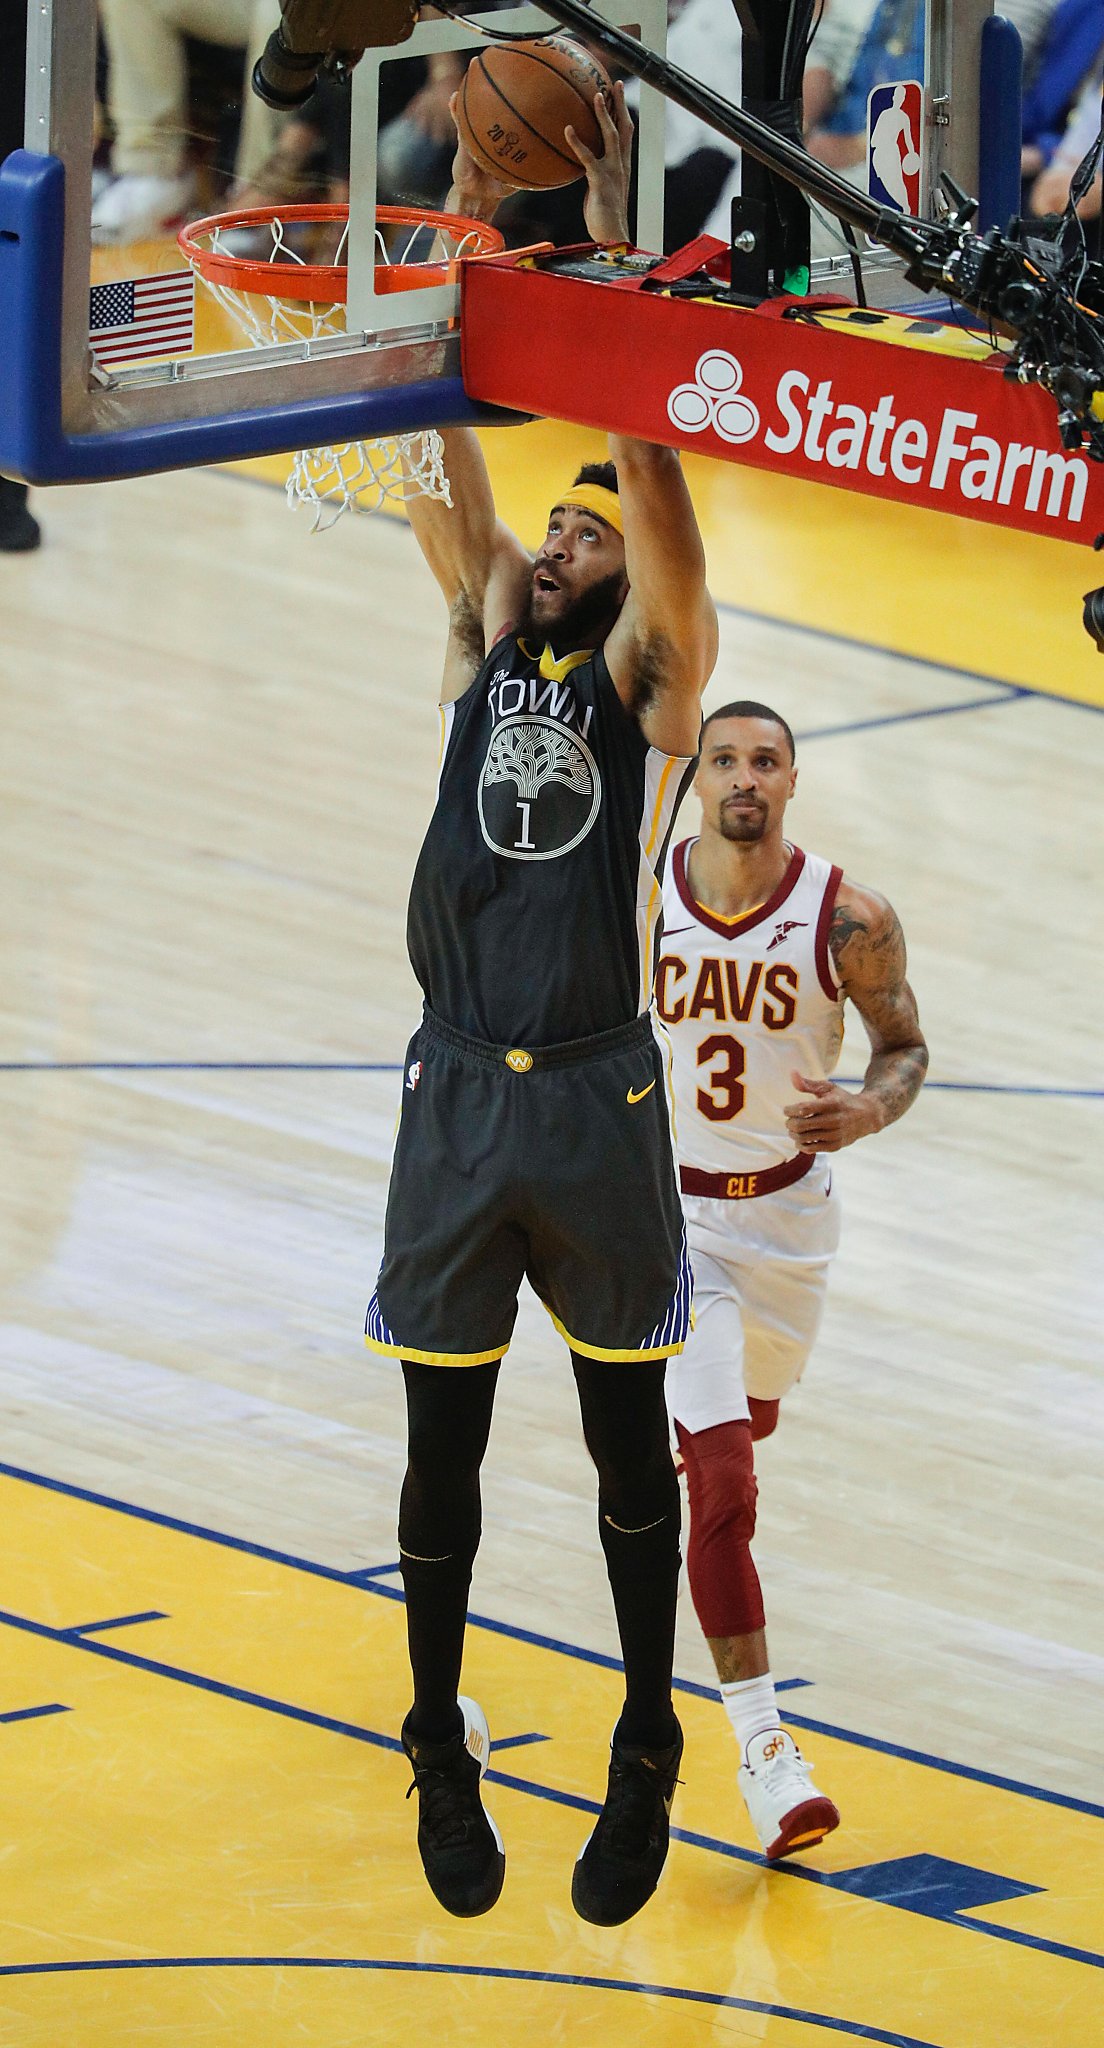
[[1094, 617], [285, 78]]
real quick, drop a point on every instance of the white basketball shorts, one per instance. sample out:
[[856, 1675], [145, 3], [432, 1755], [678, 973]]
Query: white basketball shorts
[[760, 1277]]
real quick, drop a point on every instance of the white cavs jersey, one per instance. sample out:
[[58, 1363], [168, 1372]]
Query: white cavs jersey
[[747, 1001]]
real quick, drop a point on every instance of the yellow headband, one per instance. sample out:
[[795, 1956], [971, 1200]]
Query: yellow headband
[[595, 498]]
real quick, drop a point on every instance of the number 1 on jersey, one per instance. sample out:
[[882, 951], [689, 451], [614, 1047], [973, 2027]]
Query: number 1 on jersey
[[525, 844], [724, 1097]]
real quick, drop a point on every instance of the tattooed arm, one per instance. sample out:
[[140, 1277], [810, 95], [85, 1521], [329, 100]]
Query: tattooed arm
[[868, 948]]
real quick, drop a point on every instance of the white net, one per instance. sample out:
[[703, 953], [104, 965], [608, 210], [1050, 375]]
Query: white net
[[360, 475]]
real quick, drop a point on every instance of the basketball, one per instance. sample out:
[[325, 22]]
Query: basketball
[[515, 102]]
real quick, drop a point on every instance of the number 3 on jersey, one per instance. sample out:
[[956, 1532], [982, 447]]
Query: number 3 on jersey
[[724, 1097]]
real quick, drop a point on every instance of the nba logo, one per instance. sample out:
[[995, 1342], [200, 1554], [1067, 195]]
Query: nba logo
[[895, 128]]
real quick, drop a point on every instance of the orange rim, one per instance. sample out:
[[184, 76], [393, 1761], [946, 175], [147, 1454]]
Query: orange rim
[[328, 282]]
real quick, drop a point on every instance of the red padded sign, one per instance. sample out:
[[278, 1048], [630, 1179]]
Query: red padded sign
[[750, 386]]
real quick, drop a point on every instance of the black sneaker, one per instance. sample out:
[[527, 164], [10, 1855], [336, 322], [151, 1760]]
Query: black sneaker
[[460, 1846], [19, 529], [620, 1866]]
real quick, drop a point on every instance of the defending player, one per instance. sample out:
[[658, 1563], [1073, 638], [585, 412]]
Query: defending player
[[762, 945], [534, 1090]]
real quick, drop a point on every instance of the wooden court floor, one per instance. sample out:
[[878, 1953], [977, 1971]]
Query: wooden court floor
[[218, 755]]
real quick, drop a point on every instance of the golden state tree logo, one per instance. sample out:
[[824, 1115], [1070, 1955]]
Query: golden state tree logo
[[539, 791]]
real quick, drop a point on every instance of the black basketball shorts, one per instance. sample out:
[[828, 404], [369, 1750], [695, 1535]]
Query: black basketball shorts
[[555, 1163]]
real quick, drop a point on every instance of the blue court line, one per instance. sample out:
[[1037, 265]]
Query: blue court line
[[1014, 1088], [35, 1713], [831, 732], [857, 2029], [511, 1630], [577, 1802], [199, 1065], [396, 1067], [518, 1741], [931, 1763], [991, 1088], [94, 1628], [808, 631], [962, 1918], [219, 1687], [330, 1724], [709, 1692], [902, 656]]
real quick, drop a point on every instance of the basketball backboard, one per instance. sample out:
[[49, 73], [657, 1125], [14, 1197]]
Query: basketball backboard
[[75, 406]]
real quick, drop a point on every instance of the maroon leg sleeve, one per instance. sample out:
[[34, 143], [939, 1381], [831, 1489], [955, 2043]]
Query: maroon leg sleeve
[[720, 1480], [764, 1418]]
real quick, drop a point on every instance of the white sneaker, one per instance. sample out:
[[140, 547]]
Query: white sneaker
[[133, 208], [787, 1812]]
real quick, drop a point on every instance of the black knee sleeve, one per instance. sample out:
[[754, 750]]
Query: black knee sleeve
[[449, 1418]]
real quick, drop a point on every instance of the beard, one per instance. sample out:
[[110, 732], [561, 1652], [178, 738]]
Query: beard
[[743, 827], [595, 607]]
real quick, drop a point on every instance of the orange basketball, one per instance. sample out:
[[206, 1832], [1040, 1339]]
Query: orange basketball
[[515, 102]]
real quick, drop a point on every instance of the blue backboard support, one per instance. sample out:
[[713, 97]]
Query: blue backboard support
[[64, 420], [423, 387]]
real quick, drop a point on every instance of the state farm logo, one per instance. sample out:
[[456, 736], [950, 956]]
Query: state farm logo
[[714, 400], [819, 429]]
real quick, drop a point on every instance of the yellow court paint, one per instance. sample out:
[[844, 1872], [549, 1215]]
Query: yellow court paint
[[210, 1844], [985, 599], [950, 590]]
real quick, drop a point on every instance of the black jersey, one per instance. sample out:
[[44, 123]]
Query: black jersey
[[535, 908]]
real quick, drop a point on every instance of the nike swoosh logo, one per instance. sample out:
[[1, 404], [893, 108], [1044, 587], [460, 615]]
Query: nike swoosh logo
[[637, 1095]]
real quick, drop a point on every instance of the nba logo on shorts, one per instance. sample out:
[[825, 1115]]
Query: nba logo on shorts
[[895, 131]]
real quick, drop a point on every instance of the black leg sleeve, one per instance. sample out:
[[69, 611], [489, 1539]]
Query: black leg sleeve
[[639, 1519], [449, 1416]]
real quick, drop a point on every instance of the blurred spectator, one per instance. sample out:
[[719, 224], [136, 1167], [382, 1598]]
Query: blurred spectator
[[19, 529], [148, 105], [701, 167], [1051, 190], [863, 43], [417, 143], [1068, 50], [836, 43], [417, 136], [843, 27], [891, 47], [310, 159]]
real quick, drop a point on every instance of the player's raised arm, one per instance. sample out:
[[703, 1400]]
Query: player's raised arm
[[868, 948], [663, 648], [481, 567]]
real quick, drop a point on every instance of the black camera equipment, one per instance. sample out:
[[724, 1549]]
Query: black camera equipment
[[1034, 284], [1094, 607], [324, 34]]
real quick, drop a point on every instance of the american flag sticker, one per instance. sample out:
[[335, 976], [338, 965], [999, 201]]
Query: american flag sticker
[[138, 318]]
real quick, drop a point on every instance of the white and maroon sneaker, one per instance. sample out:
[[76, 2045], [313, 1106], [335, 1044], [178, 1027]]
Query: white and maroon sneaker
[[787, 1812], [139, 208]]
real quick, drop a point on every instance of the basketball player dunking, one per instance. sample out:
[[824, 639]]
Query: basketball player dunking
[[762, 944], [535, 1129]]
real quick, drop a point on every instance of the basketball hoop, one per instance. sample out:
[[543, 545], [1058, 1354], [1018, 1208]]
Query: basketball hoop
[[279, 273]]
